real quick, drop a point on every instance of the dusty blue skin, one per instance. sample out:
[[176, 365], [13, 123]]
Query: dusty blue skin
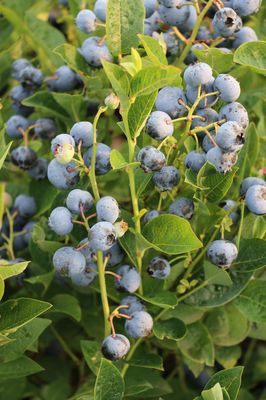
[[230, 136], [172, 44], [115, 255], [63, 176], [79, 198], [228, 87], [152, 24], [102, 236], [226, 22], [174, 16], [82, 131], [256, 199], [19, 243], [191, 57], [30, 77], [28, 228], [18, 66], [14, 123], [134, 304], [150, 7], [229, 205], [94, 50], [172, 101], [17, 95], [60, 221], [140, 324], [246, 34], [207, 144], [107, 209], [100, 9], [45, 128], [192, 94], [234, 112], [183, 207], [69, 262], [151, 159], [88, 252], [39, 169], [248, 182], [60, 140], [159, 268], [195, 160], [102, 165], [23, 157], [170, 3], [246, 7], [86, 21], [223, 162], [204, 33], [130, 279], [222, 253], [167, 178], [188, 25], [150, 215], [159, 125], [198, 74], [66, 80], [115, 348], [210, 116], [87, 276]]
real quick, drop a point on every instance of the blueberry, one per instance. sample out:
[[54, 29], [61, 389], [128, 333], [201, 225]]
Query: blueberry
[[187, 26], [167, 178], [256, 199], [65, 80], [82, 131], [174, 16], [171, 42], [210, 116], [159, 268], [222, 253], [191, 57], [198, 74], [94, 50], [30, 77], [61, 140], [152, 24], [133, 303], [171, 3], [102, 165], [100, 9], [171, 100], [60, 221], [246, 34], [228, 205], [223, 162], [183, 207], [230, 136], [151, 159], [115, 347], [204, 33], [69, 262], [87, 276], [88, 252], [17, 95], [19, 243], [28, 228], [130, 279], [228, 87], [78, 199], [115, 255], [39, 169], [150, 215], [248, 182], [23, 157], [63, 176], [159, 125], [107, 209], [235, 112], [45, 128], [25, 205], [102, 236], [192, 94], [195, 160], [150, 7], [18, 66], [246, 7], [14, 124], [86, 21], [226, 22], [140, 324]]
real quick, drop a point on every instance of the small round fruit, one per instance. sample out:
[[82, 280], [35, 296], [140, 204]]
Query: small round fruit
[[256, 199], [102, 236], [222, 253], [195, 160], [94, 50], [25, 205], [60, 221], [87, 276], [107, 209], [226, 22], [86, 21], [130, 279], [14, 124], [115, 347], [248, 182], [115, 255], [102, 164], [172, 101], [159, 125], [63, 176], [78, 200], [235, 112], [45, 128], [59, 141], [183, 207], [68, 261], [230, 136], [228, 87], [198, 74], [223, 162], [150, 215], [167, 178], [151, 159], [159, 268], [228, 205], [140, 324], [133, 303], [23, 157]]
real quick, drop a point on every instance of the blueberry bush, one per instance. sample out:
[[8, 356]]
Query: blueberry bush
[[132, 200]]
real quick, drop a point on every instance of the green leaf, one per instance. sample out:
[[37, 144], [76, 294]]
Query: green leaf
[[2, 202], [72, 58], [45, 101], [4, 152], [6, 271], [147, 360], [228, 356], [153, 49], [18, 312], [117, 160], [44, 279], [92, 354], [163, 298], [171, 234], [216, 58], [252, 302], [109, 383], [215, 275], [139, 112], [2, 288], [66, 304], [230, 379], [119, 81], [18, 368], [252, 55], [215, 393], [124, 20], [142, 180], [173, 328], [251, 256]]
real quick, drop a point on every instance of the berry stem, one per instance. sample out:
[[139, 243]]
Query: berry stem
[[242, 212], [103, 290]]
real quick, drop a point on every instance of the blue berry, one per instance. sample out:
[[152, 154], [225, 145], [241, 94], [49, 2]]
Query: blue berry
[[60, 221], [115, 347], [195, 160], [82, 131], [79, 199], [226, 22], [107, 209], [159, 125], [64, 80], [14, 124], [150, 7], [69, 262], [87, 276], [204, 33], [192, 94], [60, 140], [130, 279], [45, 128], [39, 169], [152, 24], [235, 112], [207, 144], [246, 7], [151, 159], [174, 16], [167, 178], [191, 57], [248, 182], [86, 21], [246, 34], [223, 162], [228, 87], [18, 66], [187, 26], [171, 100], [159, 268], [171, 42], [183, 207], [230, 136], [23, 157], [100, 9], [17, 95], [94, 49], [102, 165], [150, 215], [198, 74], [222, 253], [102, 236], [115, 255], [88, 252], [134, 304], [171, 3], [210, 116], [28, 228], [228, 205], [140, 324], [63, 176], [256, 199], [25, 205], [30, 77]]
